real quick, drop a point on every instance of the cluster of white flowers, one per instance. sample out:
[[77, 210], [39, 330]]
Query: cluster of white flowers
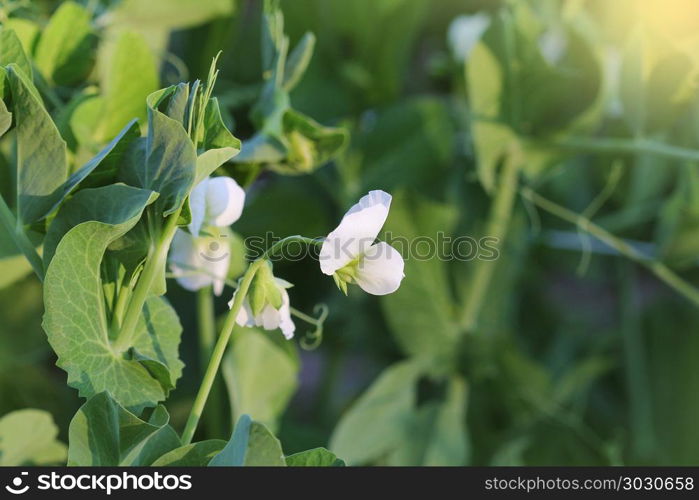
[[349, 253], [196, 257]]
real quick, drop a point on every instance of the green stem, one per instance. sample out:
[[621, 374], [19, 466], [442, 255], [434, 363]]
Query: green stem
[[616, 146], [217, 354], [279, 245], [21, 239], [660, 270], [120, 307], [498, 222], [155, 262], [640, 413], [205, 316], [207, 339]]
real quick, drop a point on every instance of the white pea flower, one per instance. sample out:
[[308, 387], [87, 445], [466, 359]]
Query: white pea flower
[[350, 255], [270, 318], [215, 201], [464, 32], [201, 260]]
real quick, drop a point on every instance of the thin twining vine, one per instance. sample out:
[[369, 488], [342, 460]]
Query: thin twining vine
[[660, 270]]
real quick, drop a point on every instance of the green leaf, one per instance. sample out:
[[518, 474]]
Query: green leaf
[[41, 152], [77, 324], [317, 457], [109, 205], [260, 376], [28, 437], [251, 444], [165, 162], [130, 75], [430, 330], [298, 61], [103, 433], [435, 433], [178, 103], [11, 51], [26, 30], [485, 87], [375, 424], [193, 455], [5, 119], [262, 148], [64, 52], [670, 89], [13, 264], [166, 14], [448, 443], [102, 169], [219, 143], [310, 144]]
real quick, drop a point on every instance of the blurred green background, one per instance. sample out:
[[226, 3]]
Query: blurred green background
[[580, 355]]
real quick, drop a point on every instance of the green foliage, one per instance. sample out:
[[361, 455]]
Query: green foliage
[[317, 457], [28, 437], [64, 51], [193, 455], [165, 160], [127, 76], [573, 347], [430, 331], [103, 433], [375, 426], [261, 376], [11, 51], [287, 141], [73, 289], [251, 444], [41, 152]]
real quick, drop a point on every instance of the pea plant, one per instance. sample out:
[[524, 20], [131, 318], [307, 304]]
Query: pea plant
[[104, 237], [242, 229]]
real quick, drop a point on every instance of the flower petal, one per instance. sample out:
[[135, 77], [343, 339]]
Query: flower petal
[[224, 201], [244, 316], [381, 269], [197, 206], [195, 265], [356, 233], [286, 324], [183, 262], [269, 318]]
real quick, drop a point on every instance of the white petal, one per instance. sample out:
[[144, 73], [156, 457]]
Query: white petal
[[356, 233], [183, 262], [464, 32], [286, 324], [197, 205], [381, 270], [224, 201], [244, 316], [199, 262], [269, 318]]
